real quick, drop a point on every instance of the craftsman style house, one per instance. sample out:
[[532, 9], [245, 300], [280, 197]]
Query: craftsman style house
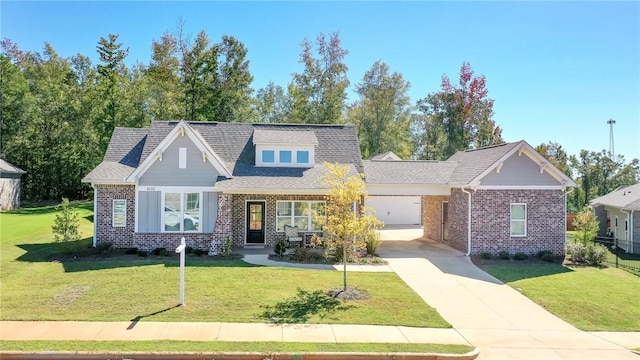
[[209, 181]]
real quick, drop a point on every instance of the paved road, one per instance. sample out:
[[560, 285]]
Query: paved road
[[492, 316]]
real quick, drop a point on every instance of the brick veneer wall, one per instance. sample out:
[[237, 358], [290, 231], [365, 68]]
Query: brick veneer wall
[[458, 205], [432, 216], [239, 215], [490, 221], [120, 237]]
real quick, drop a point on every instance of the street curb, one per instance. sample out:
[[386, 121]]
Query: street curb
[[23, 355]]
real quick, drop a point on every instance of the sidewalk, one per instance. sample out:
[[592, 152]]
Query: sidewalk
[[148, 331]]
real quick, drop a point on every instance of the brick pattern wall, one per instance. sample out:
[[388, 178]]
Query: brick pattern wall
[[120, 237], [458, 211], [490, 223], [223, 224], [432, 216], [239, 215], [601, 214]]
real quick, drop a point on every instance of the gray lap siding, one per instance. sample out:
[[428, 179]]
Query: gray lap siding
[[490, 221]]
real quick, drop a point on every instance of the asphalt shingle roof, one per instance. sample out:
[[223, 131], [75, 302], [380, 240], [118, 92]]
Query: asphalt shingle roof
[[9, 168], [122, 156], [302, 137], [233, 144], [627, 198], [408, 172], [472, 163]]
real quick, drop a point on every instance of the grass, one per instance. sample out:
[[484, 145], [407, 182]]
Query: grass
[[590, 298], [35, 287], [225, 346]]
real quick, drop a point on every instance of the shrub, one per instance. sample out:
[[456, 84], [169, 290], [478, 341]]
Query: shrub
[[65, 225], [372, 239], [577, 251], [548, 257], [485, 255], [280, 247], [105, 248], [142, 253], [160, 251], [504, 255], [131, 251], [596, 254], [189, 250], [198, 252], [227, 246], [303, 254], [520, 256]]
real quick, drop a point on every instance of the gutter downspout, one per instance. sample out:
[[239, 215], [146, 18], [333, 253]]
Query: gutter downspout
[[468, 221], [629, 230], [95, 212]]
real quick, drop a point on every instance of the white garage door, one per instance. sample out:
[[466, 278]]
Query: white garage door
[[396, 210]]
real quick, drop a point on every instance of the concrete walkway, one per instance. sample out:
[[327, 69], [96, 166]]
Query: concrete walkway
[[76, 330], [503, 323]]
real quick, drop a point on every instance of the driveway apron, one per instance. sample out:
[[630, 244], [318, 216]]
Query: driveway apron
[[499, 320]]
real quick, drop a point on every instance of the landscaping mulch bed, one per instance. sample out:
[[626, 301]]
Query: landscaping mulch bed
[[479, 261], [367, 260]]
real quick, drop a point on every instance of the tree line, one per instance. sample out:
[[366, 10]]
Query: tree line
[[58, 113]]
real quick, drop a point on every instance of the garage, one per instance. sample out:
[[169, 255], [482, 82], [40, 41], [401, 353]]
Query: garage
[[396, 210]]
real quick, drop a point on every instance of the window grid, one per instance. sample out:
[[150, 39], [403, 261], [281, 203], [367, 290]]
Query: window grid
[[298, 213]]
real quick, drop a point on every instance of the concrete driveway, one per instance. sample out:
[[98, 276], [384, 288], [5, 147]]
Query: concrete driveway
[[492, 316]]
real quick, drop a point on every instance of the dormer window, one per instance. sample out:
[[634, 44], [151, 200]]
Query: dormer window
[[284, 148]]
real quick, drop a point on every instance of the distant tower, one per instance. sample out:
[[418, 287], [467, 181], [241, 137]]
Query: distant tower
[[612, 151]]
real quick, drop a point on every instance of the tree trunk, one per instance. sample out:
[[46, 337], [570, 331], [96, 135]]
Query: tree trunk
[[344, 266]]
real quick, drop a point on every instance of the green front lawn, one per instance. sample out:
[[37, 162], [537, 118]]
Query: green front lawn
[[226, 346], [589, 298], [36, 286]]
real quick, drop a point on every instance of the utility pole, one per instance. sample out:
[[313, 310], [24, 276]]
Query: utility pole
[[612, 152]]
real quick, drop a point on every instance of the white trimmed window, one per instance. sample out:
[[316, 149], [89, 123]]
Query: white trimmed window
[[182, 158], [298, 213], [268, 156], [119, 215], [181, 211], [518, 220]]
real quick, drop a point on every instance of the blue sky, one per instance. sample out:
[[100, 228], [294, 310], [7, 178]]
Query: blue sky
[[557, 71]]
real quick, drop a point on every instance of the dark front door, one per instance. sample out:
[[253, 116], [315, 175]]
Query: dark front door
[[255, 222], [445, 221]]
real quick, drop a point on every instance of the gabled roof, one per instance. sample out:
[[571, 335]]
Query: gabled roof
[[181, 128], [232, 145], [302, 137], [122, 156], [389, 155], [6, 167], [474, 164], [627, 198], [408, 172]]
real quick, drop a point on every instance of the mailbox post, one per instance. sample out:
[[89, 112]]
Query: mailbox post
[[181, 250]]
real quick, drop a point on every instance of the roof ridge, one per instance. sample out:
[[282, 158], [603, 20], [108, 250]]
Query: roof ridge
[[191, 122], [493, 146]]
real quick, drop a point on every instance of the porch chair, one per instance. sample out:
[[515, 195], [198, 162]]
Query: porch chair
[[291, 235]]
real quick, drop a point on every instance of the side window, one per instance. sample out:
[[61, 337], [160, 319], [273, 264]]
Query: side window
[[518, 220], [182, 158], [119, 213]]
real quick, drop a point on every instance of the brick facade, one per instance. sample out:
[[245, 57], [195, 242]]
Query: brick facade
[[120, 237], [239, 215], [126, 237], [490, 221], [432, 216]]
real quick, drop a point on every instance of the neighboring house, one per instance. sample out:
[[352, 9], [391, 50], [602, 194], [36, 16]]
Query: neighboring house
[[618, 213], [502, 197], [9, 185], [209, 181]]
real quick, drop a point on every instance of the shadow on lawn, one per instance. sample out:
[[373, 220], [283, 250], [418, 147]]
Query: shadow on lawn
[[83, 257], [298, 309], [509, 271], [34, 209]]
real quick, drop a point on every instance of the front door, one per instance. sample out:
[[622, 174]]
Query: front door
[[255, 222], [445, 221]]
